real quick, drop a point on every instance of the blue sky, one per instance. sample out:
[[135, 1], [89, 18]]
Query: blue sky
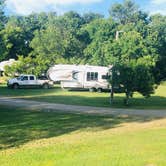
[[25, 7]]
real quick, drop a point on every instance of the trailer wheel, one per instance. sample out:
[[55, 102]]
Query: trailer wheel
[[92, 89], [15, 86], [99, 90], [45, 86]]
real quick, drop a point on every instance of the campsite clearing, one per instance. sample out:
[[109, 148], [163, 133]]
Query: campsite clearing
[[56, 95]]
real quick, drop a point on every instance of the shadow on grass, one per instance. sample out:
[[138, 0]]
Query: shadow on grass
[[56, 95], [4, 91], [20, 126], [154, 102]]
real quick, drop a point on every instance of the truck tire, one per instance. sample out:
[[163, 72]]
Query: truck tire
[[15, 86], [45, 86]]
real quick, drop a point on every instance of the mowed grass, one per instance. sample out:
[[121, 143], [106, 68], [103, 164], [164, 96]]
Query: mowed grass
[[57, 95], [35, 138]]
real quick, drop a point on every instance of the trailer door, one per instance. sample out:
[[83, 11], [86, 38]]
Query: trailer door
[[78, 79]]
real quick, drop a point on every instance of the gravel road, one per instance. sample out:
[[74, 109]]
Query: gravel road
[[34, 105]]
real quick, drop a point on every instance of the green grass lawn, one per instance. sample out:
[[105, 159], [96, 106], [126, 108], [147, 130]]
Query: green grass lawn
[[56, 95], [34, 138]]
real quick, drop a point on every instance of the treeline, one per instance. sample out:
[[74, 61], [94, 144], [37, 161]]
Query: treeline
[[129, 37]]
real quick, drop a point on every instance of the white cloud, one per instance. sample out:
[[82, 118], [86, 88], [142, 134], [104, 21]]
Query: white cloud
[[158, 2], [159, 11], [28, 6], [156, 6]]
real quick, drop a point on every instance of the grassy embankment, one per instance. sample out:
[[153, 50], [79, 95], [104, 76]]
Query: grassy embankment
[[56, 95], [34, 138]]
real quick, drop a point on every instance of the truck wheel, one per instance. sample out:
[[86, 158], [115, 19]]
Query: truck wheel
[[99, 90], [45, 86], [15, 86], [92, 90]]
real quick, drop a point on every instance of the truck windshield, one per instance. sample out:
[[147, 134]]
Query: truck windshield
[[19, 78]]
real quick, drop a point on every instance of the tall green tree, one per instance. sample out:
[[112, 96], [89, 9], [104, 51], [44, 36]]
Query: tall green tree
[[100, 32], [2, 15], [48, 47], [71, 22], [11, 42], [24, 65], [28, 25], [133, 62], [127, 12], [158, 29], [89, 17], [2, 25]]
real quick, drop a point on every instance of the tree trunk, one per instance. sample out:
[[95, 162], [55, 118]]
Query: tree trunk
[[126, 100], [112, 95]]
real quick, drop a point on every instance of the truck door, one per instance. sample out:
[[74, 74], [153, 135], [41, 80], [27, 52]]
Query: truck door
[[32, 81], [24, 81]]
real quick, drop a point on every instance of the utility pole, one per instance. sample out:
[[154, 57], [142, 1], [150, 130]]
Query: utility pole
[[117, 34], [112, 84]]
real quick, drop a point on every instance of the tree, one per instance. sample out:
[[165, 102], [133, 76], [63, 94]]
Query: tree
[[28, 25], [24, 65], [133, 63], [128, 12], [100, 32], [71, 23], [2, 25], [13, 42], [2, 15], [89, 17], [48, 46], [158, 29], [134, 77]]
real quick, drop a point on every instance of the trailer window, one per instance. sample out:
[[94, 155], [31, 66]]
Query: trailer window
[[105, 77], [92, 76], [75, 76]]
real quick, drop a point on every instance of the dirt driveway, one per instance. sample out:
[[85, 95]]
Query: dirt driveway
[[33, 105]]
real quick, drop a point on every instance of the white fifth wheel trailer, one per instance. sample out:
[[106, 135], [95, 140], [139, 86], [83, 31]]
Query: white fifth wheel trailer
[[88, 77], [61, 72], [80, 76]]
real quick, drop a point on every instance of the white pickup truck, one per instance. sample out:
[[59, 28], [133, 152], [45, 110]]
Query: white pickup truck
[[29, 81]]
